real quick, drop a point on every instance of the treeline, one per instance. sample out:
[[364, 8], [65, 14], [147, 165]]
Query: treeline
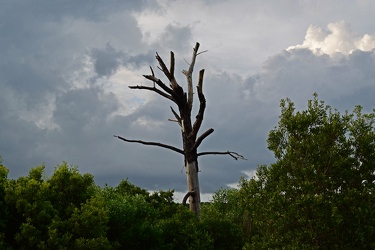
[[68, 211], [319, 194]]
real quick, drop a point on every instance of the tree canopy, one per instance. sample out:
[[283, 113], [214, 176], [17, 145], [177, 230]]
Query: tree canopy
[[320, 191], [68, 211]]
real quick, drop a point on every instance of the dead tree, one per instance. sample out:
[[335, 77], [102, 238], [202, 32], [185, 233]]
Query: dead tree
[[184, 101]]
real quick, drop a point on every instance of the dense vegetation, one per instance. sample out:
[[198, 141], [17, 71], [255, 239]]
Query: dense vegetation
[[319, 194]]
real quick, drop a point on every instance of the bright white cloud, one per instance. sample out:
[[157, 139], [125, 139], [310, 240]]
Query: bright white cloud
[[337, 38], [366, 43]]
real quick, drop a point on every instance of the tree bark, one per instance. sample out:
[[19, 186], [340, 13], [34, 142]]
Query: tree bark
[[193, 186]]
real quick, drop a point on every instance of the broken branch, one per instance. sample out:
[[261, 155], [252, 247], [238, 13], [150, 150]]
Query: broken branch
[[153, 74], [202, 105], [171, 69], [159, 83], [188, 73], [155, 90], [178, 118], [162, 66], [235, 155], [158, 144], [202, 52]]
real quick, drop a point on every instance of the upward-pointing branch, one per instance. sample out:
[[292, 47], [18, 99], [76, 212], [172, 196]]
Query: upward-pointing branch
[[173, 81], [201, 138], [188, 73], [202, 105], [178, 118]]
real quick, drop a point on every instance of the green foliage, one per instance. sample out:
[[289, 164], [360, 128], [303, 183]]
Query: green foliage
[[140, 220], [223, 219], [320, 192], [126, 188], [60, 212], [68, 189], [67, 211], [183, 230], [163, 202], [131, 221]]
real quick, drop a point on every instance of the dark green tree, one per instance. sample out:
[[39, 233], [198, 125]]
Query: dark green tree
[[131, 217], [142, 220], [62, 212], [222, 219], [184, 230], [320, 192]]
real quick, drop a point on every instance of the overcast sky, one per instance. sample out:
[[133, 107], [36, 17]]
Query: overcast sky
[[65, 68]]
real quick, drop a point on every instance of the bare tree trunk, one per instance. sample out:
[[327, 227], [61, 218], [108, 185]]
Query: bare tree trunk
[[193, 186]]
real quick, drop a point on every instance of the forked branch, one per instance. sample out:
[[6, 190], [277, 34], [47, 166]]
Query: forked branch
[[159, 83], [168, 73]]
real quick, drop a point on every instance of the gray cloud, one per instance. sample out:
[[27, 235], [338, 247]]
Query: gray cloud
[[58, 100], [91, 10], [80, 108], [108, 60], [177, 37], [45, 48], [299, 73]]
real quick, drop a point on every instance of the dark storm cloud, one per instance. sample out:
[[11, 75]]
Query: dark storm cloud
[[19, 139], [108, 60], [80, 108], [92, 10], [58, 101], [177, 37], [45, 47], [244, 111], [298, 73]]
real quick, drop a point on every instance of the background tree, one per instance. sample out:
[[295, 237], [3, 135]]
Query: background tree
[[320, 192], [62, 212], [68, 211], [223, 219], [184, 101]]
